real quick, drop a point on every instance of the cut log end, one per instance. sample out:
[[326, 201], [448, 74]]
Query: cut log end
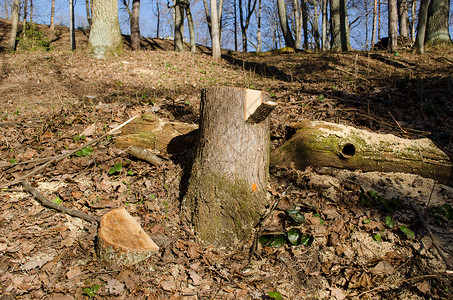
[[121, 240]]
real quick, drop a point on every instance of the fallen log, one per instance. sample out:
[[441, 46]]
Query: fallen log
[[318, 143]]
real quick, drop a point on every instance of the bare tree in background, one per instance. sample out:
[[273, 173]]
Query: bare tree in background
[[412, 22], [375, 20], [52, 16], [437, 24], [215, 30], [245, 21], [297, 21], [289, 40], [339, 26], [105, 35], [392, 25], [15, 22], [193, 47], [324, 25], [135, 25], [258, 33], [402, 18], [71, 25], [421, 26], [88, 9], [179, 25]]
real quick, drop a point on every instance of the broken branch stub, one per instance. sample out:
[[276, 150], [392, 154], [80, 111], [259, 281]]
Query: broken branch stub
[[121, 241]]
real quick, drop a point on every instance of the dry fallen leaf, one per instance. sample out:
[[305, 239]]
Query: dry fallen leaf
[[197, 280], [168, 285], [383, 268], [73, 272], [114, 286]]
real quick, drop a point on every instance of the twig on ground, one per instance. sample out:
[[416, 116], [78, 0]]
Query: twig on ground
[[61, 156], [395, 282], [44, 201], [435, 244]]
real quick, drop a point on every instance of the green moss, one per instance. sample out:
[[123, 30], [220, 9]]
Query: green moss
[[223, 209]]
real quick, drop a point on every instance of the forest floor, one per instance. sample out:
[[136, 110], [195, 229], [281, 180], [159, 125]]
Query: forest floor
[[55, 101]]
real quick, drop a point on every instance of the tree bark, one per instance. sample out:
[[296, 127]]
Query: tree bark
[[135, 25], [392, 25], [15, 21], [52, 16], [402, 18], [245, 22], [88, 10], [419, 45], [412, 23], [289, 41], [71, 25], [215, 31], [179, 26], [375, 19], [314, 25], [437, 24], [328, 144], [324, 25], [105, 35], [193, 47], [304, 11], [227, 194], [258, 33]]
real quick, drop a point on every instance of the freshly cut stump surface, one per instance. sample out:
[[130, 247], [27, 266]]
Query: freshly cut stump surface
[[122, 241]]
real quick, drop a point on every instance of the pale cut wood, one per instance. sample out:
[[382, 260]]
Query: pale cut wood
[[318, 143], [257, 106], [121, 240]]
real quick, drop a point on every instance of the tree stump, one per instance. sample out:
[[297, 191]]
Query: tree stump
[[121, 240], [227, 190]]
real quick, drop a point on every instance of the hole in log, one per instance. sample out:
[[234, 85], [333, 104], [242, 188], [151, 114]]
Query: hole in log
[[348, 151]]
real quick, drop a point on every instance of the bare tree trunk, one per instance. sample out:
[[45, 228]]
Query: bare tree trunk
[[179, 26], [412, 24], [289, 41], [71, 25], [437, 25], [25, 12], [6, 9], [193, 47], [52, 16], [31, 11], [87, 6], [15, 21], [158, 18], [258, 33], [235, 27], [402, 17], [215, 31], [245, 22], [105, 35], [379, 21], [324, 25], [226, 195], [305, 23], [314, 26], [392, 25], [297, 27], [335, 29], [135, 25], [419, 45], [375, 17]]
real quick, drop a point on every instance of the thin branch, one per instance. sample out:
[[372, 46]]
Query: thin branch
[[61, 156], [44, 201], [420, 216]]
